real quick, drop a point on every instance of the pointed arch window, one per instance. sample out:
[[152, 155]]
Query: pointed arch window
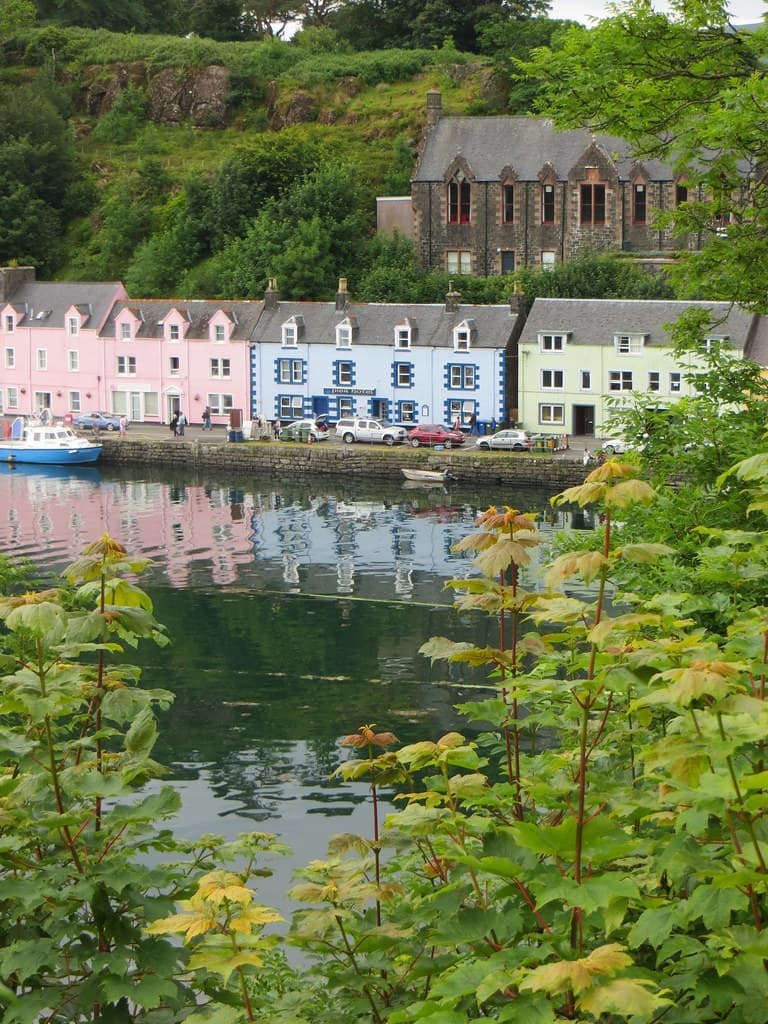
[[459, 199], [508, 204], [639, 203]]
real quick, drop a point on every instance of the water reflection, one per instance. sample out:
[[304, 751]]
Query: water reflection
[[297, 609]]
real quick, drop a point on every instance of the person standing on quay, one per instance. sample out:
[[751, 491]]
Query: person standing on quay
[[123, 425], [207, 418], [180, 424], [175, 422]]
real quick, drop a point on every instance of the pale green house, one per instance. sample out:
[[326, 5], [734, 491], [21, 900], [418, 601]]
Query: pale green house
[[575, 355]]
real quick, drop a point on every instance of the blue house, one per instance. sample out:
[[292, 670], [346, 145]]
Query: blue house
[[406, 362]]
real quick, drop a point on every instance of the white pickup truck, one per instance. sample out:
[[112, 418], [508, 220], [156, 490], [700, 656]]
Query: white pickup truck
[[376, 431]]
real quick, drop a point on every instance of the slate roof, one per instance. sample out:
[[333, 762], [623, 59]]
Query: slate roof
[[431, 325], [46, 303], [197, 312], [526, 144], [596, 321]]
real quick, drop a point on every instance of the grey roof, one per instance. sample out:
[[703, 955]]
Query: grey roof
[[46, 303], [757, 346], [197, 312], [525, 144], [596, 321], [432, 326]]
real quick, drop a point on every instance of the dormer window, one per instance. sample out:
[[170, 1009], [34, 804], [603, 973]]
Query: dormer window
[[552, 342], [126, 332], [73, 326], [462, 337], [290, 331], [174, 332], [344, 334], [629, 344], [218, 333], [10, 323], [403, 336], [459, 199]]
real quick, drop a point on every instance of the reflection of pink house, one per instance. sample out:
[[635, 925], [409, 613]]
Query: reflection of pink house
[[51, 350], [166, 354]]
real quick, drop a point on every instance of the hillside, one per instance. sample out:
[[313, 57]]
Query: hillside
[[164, 140]]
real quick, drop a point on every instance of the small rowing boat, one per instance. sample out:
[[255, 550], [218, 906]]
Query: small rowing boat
[[428, 476]]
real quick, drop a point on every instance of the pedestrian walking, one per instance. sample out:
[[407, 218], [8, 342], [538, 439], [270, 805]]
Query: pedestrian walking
[[123, 425], [473, 424], [180, 424], [207, 418], [587, 456], [175, 422], [276, 429]]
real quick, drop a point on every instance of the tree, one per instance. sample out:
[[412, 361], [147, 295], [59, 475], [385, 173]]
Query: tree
[[688, 89], [15, 15]]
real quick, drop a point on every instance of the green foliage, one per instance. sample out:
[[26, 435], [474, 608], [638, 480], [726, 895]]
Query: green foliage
[[125, 119], [595, 276], [681, 88], [80, 902]]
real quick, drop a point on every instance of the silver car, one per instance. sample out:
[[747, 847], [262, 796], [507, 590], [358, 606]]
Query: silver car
[[506, 440], [373, 431]]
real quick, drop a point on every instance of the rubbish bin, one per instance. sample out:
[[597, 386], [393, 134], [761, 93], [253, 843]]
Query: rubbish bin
[[235, 435]]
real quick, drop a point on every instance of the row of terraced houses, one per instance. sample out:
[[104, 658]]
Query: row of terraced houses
[[81, 347]]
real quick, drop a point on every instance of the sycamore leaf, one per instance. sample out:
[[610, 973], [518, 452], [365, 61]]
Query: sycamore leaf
[[439, 647], [505, 552], [220, 962], [629, 492], [467, 786], [584, 494], [577, 975], [559, 609], [644, 553], [588, 564], [624, 996], [630, 623], [190, 925]]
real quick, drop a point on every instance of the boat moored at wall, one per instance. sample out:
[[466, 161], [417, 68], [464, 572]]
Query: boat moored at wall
[[51, 444]]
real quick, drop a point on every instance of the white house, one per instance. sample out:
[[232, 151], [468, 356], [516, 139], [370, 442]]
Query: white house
[[409, 363], [578, 356]]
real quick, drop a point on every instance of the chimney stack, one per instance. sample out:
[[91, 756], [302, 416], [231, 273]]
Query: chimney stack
[[342, 295], [11, 278], [517, 300], [452, 299], [434, 108], [271, 294]]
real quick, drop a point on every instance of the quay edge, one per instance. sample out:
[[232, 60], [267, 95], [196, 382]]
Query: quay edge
[[553, 472]]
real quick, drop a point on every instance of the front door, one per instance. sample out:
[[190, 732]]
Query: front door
[[135, 403], [584, 420]]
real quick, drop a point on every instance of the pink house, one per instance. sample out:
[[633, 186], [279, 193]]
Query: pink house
[[166, 354], [52, 355]]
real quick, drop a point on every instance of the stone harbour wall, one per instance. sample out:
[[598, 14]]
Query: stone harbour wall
[[555, 472]]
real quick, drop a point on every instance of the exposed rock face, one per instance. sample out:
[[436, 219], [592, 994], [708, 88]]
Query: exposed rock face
[[197, 96]]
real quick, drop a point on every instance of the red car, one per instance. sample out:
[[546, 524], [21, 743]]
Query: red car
[[434, 433]]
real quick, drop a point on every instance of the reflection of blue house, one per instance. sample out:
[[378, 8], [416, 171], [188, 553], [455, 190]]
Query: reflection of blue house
[[405, 362]]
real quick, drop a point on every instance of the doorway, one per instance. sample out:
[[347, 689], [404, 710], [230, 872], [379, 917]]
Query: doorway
[[584, 420]]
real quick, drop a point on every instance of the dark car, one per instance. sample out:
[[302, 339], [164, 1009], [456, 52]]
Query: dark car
[[96, 421], [433, 434]]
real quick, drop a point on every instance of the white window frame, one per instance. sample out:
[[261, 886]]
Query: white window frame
[[344, 334], [549, 380], [173, 332], [629, 344], [548, 260], [219, 334], [174, 366], [10, 323], [550, 342], [403, 370], [403, 336], [585, 380], [458, 261], [654, 380], [12, 397], [290, 371], [551, 414], [291, 407], [73, 360], [9, 359], [126, 332], [675, 382], [219, 404], [126, 366], [462, 338], [620, 380], [74, 401], [73, 326], [221, 368], [345, 372], [41, 358], [290, 335], [462, 377]]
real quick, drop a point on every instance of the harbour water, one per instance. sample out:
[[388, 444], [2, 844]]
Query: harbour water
[[296, 609]]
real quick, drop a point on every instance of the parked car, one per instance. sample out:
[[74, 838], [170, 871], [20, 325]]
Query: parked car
[[96, 421], [434, 433], [373, 431], [506, 440], [301, 430], [615, 446]]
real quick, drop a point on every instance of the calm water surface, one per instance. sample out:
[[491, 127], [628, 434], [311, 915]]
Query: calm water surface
[[296, 608]]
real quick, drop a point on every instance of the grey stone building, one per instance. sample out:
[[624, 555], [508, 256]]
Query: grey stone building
[[492, 194]]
